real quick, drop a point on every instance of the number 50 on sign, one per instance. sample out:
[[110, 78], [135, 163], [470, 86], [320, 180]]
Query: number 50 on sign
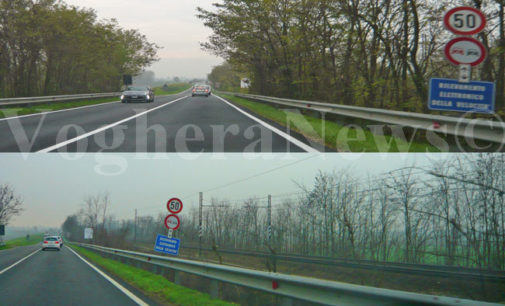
[[465, 20]]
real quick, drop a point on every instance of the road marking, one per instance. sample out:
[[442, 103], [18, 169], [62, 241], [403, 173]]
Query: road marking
[[57, 111], [116, 284], [17, 262], [62, 144], [284, 135], [74, 108]]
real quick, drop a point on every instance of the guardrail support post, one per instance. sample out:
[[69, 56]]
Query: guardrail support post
[[287, 301], [214, 289], [177, 277]]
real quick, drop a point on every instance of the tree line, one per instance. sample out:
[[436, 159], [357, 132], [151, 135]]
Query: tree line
[[373, 53], [452, 213], [51, 48]]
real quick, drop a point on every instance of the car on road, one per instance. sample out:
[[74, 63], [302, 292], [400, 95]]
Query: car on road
[[137, 94], [51, 242], [201, 90]]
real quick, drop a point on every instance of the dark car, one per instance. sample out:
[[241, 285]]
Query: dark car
[[201, 90], [137, 94]]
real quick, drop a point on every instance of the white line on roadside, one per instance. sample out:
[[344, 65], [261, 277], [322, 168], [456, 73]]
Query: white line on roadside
[[116, 284], [74, 108], [17, 262], [86, 135], [58, 111], [288, 137]]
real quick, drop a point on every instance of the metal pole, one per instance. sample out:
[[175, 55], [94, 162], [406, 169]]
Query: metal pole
[[269, 218], [135, 231], [200, 229]]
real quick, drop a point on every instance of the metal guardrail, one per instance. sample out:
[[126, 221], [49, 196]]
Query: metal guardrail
[[413, 269], [48, 99], [289, 286], [493, 131]]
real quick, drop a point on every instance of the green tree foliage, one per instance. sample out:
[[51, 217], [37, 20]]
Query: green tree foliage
[[51, 48], [225, 77], [375, 53]]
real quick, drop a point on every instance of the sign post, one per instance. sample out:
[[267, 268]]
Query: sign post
[[463, 95], [2, 233], [168, 244], [465, 73]]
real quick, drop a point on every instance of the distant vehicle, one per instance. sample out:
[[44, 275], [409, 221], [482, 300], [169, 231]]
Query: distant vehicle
[[51, 242], [137, 94], [201, 90]]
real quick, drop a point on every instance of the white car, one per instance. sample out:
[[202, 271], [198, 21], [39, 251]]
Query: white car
[[51, 242]]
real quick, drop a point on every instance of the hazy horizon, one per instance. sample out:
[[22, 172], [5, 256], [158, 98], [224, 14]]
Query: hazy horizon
[[173, 25]]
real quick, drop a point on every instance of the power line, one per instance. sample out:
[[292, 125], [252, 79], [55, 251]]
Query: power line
[[253, 176]]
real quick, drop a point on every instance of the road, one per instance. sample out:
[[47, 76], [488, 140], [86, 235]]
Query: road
[[175, 123], [57, 278]]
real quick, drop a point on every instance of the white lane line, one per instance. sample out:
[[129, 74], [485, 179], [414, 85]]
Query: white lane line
[[116, 284], [74, 108], [86, 135], [17, 262], [288, 137], [58, 111]]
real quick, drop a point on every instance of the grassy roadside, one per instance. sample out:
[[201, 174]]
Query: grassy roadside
[[336, 136], [153, 285], [172, 89], [22, 241]]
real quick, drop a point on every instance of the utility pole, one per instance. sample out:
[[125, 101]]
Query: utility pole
[[269, 218], [200, 229], [135, 231]]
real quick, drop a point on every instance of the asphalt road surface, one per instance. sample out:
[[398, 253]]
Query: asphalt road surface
[[175, 123], [54, 277]]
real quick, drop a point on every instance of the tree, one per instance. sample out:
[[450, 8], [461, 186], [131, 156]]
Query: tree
[[375, 53], [10, 204], [50, 48], [94, 212]]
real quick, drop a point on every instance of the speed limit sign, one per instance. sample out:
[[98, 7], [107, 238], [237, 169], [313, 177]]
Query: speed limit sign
[[174, 205], [465, 20]]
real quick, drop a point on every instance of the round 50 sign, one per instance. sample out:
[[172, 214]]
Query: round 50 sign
[[174, 205], [465, 20], [465, 51]]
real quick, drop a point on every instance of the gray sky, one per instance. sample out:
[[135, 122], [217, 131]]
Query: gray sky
[[171, 24], [52, 186]]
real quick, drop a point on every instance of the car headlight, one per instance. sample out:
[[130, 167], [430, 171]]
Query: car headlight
[[122, 97], [148, 97]]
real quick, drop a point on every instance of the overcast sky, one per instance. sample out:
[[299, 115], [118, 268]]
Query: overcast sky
[[53, 187], [172, 24]]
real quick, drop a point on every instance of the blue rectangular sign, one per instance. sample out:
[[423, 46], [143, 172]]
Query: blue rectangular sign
[[167, 245], [451, 95]]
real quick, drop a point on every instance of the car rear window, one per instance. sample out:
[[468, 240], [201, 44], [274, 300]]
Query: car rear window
[[137, 88], [51, 238]]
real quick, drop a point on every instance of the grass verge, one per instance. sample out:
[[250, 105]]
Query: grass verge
[[22, 241], [172, 89], [336, 136], [151, 284]]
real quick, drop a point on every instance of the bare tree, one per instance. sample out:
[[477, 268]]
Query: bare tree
[[10, 204], [94, 212]]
